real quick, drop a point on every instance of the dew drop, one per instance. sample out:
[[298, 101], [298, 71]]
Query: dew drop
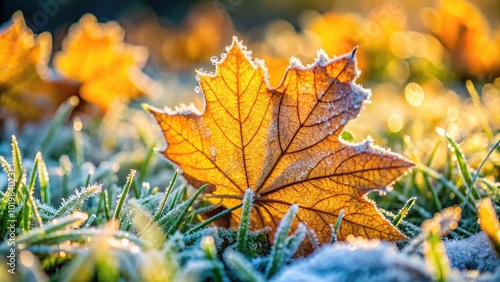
[[214, 60], [197, 78], [223, 56], [197, 89]]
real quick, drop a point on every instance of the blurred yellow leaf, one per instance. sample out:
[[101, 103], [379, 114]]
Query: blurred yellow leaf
[[339, 33], [465, 32], [199, 36], [489, 222], [24, 90], [95, 55], [284, 144]]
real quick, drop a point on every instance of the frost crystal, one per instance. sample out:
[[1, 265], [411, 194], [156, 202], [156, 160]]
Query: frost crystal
[[183, 109], [474, 252], [322, 58], [372, 260], [295, 63], [362, 260]]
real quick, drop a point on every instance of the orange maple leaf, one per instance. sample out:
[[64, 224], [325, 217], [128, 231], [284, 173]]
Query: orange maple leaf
[[95, 55], [284, 144], [23, 71]]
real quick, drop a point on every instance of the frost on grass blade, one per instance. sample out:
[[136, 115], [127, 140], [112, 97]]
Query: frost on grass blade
[[76, 201], [171, 221], [36, 235]]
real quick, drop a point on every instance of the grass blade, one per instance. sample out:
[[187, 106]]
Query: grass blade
[[29, 205], [463, 167], [16, 158], [434, 251], [242, 237], [462, 164], [476, 175], [171, 221], [8, 213], [82, 235], [10, 193], [185, 208], [90, 220], [443, 180], [77, 200], [242, 268], [208, 247], [37, 234], [6, 166], [436, 259], [123, 195], [404, 211], [161, 207], [278, 251], [106, 204], [187, 222], [43, 179], [66, 168], [78, 142], [61, 116], [163, 203], [294, 241], [336, 228], [178, 195], [212, 219]]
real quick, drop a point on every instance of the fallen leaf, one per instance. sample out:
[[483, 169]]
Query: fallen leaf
[[95, 55], [24, 89], [284, 144]]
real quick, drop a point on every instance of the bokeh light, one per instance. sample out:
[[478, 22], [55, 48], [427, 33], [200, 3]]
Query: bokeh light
[[395, 123], [414, 94]]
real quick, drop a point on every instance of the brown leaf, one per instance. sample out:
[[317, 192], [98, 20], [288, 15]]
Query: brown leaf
[[284, 144]]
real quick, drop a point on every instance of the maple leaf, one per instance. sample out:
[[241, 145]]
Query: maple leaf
[[284, 144], [95, 55], [23, 71]]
